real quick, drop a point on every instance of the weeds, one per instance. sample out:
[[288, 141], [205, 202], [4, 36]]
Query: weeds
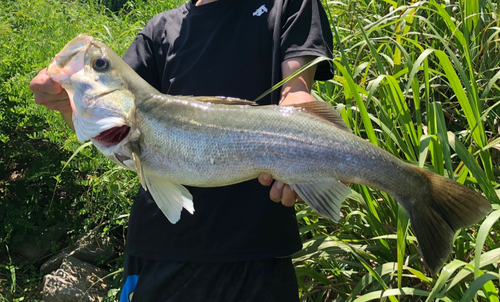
[[407, 80]]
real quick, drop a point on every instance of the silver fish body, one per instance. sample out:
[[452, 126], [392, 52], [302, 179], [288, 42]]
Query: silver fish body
[[204, 144], [172, 141]]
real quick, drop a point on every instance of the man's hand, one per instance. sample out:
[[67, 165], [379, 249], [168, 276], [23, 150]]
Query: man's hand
[[296, 90], [51, 95], [280, 192]]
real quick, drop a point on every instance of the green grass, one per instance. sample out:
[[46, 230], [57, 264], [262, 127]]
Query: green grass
[[419, 79], [415, 81]]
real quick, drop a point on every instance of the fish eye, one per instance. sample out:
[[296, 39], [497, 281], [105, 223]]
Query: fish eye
[[100, 63]]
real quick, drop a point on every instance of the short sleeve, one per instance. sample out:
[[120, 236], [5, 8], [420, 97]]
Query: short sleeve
[[141, 57], [306, 32]]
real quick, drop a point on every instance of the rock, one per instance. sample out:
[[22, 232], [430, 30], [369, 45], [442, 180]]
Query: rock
[[31, 251], [54, 262], [72, 274], [76, 281], [93, 249], [35, 246], [90, 248]]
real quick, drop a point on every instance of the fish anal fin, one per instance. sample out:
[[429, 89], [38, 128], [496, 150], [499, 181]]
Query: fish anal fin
[[438, 211], [324, 197], [223, 100], [171, 198], [324, 111]]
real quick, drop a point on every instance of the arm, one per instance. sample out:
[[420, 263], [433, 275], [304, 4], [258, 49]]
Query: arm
[[296, 90]]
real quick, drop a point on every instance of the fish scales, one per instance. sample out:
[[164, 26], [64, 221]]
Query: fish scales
[[212, 145], [171, 141]]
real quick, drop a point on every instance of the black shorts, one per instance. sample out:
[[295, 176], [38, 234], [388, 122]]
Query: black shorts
[[270, 280]]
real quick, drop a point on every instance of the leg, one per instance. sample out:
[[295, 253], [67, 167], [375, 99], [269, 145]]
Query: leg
[[270, 280]]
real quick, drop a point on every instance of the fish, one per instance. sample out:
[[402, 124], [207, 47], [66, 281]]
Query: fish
[[173, 141]]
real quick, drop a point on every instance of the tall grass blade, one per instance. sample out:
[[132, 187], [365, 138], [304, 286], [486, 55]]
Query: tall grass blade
[[392, 293], [441, 282], [443, 137], [359, 103], [474, 167], [402, 230], [488, 258], [482, 234], [476, 286], [492, 82], [294, 74], [368, 279], [425, 142], [435, 147], [470, 110]]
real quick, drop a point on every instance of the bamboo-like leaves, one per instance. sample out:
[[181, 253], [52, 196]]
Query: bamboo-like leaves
[[407, 80]]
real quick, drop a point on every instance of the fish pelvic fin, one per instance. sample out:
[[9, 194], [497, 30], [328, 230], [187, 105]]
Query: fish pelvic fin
[[442, 210], [324, 197], [171, 198]]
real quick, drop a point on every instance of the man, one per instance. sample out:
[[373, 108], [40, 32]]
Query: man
[[237, 245]]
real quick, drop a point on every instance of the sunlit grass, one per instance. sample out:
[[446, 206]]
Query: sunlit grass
[[407, 79]]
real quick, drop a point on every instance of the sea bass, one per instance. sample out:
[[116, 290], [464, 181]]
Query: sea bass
[[171, 141]]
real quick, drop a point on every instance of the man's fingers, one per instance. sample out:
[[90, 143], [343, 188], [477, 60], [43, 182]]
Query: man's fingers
[[288, 196], [59, 102], [276, 191], [43, 98], [43, 83], [59, 105], [280, 192], [49, 93], [265, 179]]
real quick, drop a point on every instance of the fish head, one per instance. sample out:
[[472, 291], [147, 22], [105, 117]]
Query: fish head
[[100, 87]]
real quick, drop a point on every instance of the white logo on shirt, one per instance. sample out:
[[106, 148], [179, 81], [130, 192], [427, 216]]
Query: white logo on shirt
[[258, 12]]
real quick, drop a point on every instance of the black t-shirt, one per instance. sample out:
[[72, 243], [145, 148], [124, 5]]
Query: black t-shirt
[[224, 48]]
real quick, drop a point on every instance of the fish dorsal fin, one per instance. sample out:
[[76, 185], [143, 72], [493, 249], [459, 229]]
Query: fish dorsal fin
[[223, 100], [325, 111], [169, 197], [324, 197]]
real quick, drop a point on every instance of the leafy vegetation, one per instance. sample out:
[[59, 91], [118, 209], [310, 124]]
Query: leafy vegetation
[[40, 189], [418, 78]]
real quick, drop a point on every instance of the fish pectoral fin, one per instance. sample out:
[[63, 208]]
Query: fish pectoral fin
[[138, 170], [170, 197], [224, 100], [324, 197]]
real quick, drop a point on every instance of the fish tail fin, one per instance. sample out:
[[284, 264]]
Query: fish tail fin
[[436, 214]]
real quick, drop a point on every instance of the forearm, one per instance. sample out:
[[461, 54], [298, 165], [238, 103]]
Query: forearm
[[67, 116], [297, 89], [294, 91]]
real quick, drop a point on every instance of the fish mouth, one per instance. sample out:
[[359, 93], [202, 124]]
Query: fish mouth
[[69, 60], [113, 136]]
